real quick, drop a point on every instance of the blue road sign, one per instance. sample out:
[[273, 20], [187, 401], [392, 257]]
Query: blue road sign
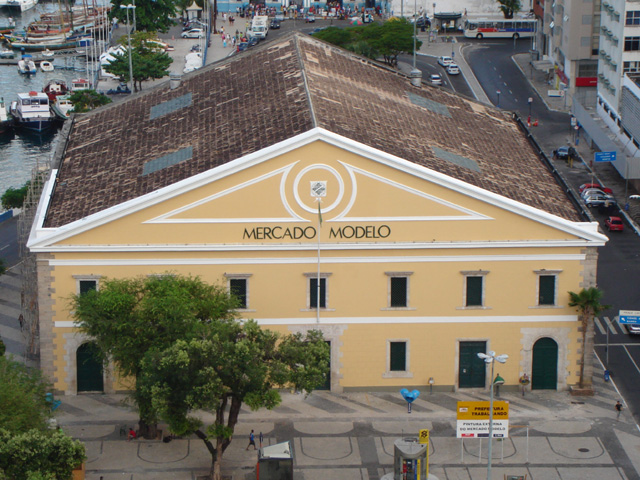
[[605, 156], [628, 317]]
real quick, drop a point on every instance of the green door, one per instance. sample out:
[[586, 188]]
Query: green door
[[544, 372], [89, 367], [327, 381], [472, 372]]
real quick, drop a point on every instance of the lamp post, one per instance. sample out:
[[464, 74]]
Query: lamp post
[[489, 357], [127, 8]]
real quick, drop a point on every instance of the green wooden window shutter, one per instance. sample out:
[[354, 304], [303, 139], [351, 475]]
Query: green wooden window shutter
[[474, 291], [547, 290], [313, 293], [398, 356], [238, 287], [398, 291], [87, 286]]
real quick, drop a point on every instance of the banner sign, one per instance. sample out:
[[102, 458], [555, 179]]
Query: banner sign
[[473, 420]]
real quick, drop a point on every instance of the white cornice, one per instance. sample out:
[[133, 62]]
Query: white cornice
[[42, 239]]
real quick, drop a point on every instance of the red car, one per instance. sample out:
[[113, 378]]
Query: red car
[[585, 186], [614, 224]]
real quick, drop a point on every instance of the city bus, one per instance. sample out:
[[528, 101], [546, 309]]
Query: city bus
[[499, 27]]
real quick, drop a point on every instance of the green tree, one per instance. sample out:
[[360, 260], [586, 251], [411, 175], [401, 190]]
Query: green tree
[[587, 302], [3, 347], [22, 398], [130, 317], [145, 63], [151, 15], [228, 364], [39, 455], [14, 197], [3, 267], [341, 37], [86, 100], [509, 7]]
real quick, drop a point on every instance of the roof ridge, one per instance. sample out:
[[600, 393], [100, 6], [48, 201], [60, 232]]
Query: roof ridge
[[303, 71]]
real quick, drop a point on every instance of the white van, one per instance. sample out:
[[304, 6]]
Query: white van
[[260, 26]]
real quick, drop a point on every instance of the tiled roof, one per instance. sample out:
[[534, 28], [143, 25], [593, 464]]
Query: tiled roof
[[274, 92]]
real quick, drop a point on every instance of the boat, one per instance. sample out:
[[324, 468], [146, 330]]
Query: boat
[[26, 65], [23, 5], [31, 46], [32, 111], [6, 120], [55, 88], [8, 28], [46, 66], [6, 53], [78, 84], [62, 106], [47, 53]]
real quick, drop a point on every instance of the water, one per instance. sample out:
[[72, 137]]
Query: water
[[22, 150]]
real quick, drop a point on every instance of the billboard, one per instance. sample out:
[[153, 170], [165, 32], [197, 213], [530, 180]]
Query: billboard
[[473, 420]]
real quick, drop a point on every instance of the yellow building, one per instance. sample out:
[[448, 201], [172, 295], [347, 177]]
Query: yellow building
[[442, 233]]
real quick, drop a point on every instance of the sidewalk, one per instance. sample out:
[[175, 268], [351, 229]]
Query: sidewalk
[[553, 436]]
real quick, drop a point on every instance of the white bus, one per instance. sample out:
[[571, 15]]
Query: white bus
[[499, 27]]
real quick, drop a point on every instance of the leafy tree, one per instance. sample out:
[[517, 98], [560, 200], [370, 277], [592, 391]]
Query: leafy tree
[[86, 100], [3, 267], [341, 37], [3, 347], [587, 302], [229, 364], [39, 455], [151, 15], [22, 398], [145, 63], [509, 7], [14, 197], [130, 317]]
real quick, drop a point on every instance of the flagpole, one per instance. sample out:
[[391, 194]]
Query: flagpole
[[318, 281]]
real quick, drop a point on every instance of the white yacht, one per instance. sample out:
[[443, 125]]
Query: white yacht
[[21, 4]]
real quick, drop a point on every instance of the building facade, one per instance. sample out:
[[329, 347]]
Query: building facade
[[406, 223]]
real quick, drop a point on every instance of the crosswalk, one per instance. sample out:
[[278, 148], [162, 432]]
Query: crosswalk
[[612, 325]]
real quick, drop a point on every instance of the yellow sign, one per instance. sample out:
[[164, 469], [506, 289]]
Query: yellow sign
[[480, 410], [424, 436]]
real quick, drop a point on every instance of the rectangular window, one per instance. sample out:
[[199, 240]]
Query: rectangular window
[[633, 18], [547, 290], [85, 286], [313, 293], [474, 291], [397, 356], [631, 44], [399, 291], [238, 288]]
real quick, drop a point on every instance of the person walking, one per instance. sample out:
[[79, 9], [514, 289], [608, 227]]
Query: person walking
[[252, 441], [618, 409]]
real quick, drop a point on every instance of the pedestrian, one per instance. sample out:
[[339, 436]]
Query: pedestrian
[[131, 435], [252, 441], [618, 409], [261, 437]]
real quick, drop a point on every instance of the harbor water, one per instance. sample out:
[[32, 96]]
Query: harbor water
[[22, 150]]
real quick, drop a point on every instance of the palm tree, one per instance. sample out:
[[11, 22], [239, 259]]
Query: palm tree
[[587, 302], [509, 7]]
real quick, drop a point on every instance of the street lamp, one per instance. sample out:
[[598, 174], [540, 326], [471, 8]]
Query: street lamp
[[489, 358], [127, 8]]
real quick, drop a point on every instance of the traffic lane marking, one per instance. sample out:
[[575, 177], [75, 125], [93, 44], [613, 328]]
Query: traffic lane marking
[[596, 321], [631, 358]]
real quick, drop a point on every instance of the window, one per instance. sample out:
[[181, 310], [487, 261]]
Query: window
[[238, 284], [313, 293], [547, 290], [397, 356], [547, 294], [631, 44], [86, 283], [633, 18], [474, 288], [312, 290], [398, 296]]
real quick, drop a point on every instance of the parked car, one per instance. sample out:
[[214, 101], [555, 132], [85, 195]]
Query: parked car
[[310, 18], [453, 69], [633, 328], [586, 186], [445, 61], [614, 224], [563, 153], [599, 200], [193, 33], [242, 46], [592, 191], [253, 41], [275, 24], [194, 24], [436, 79]]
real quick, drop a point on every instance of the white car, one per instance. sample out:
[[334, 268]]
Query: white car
[[445, 61], [436, 79], [193, 33], [453, 69]]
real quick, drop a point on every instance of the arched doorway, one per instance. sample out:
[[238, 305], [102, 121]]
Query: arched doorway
[[544, 372], [89, 368]]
